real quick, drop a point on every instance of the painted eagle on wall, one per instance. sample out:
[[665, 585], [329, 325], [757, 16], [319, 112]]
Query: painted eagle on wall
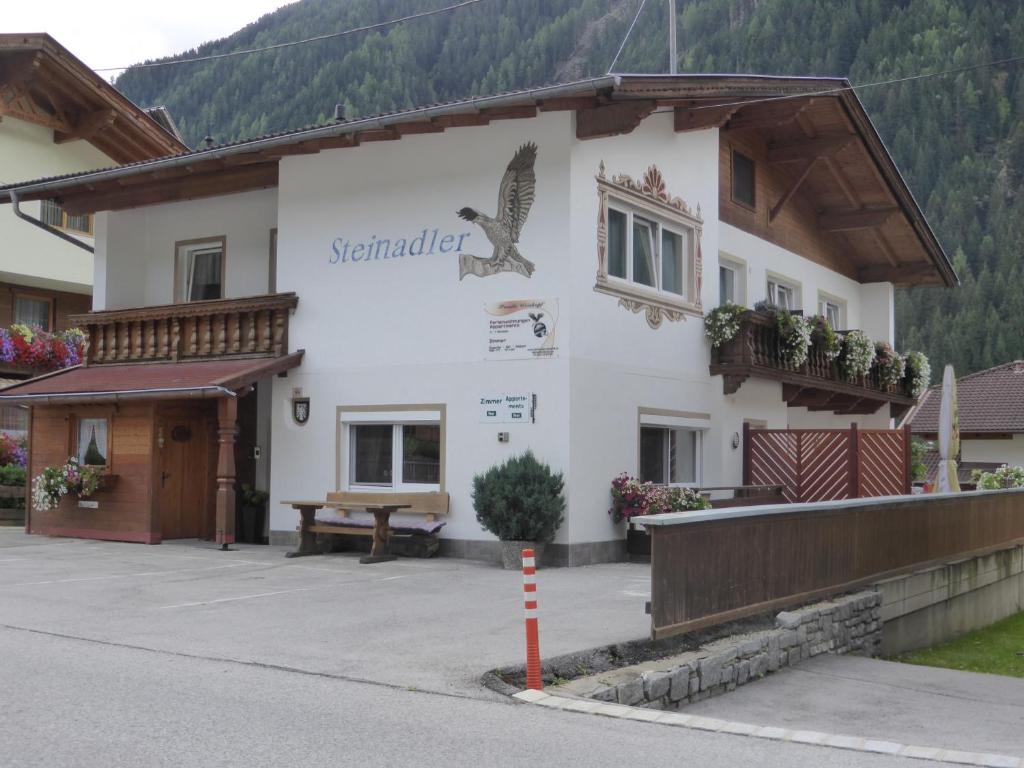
[[515, 196]]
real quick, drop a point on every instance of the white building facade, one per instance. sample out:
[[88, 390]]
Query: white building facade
[[421, 372]]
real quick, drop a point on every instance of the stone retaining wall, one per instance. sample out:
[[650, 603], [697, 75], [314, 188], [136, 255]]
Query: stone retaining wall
[[849, 624]]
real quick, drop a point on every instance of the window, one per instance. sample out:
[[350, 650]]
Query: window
[[199, 270], [650, 253], [833, 310], [33, 311], [399, 451], [93, 445], [14, 420], [669, 455], [743, 180], [732, 281], [52, 214], [782, 294]]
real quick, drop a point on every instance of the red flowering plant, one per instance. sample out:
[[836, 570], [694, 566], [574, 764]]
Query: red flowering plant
[[35, 348], [631, 498]]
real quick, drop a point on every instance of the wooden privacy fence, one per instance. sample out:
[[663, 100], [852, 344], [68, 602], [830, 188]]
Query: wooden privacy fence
[[720, 565], [828, 464]]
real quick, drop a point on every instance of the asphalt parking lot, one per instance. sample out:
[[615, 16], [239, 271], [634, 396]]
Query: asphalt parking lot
[[182, 655], [433, 624]]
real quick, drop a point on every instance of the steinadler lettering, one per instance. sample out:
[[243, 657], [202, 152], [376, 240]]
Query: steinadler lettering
[[426, 243]]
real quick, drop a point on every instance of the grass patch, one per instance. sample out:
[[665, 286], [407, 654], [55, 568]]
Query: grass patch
[[996, 649]]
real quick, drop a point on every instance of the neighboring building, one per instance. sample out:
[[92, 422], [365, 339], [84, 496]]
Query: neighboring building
[[990, 407], [57, 117], [414, 327]]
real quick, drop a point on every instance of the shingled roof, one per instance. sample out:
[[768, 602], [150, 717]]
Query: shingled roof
[[990, 402]]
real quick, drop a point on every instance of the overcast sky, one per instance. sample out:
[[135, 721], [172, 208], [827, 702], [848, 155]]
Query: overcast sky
[[113, 33]]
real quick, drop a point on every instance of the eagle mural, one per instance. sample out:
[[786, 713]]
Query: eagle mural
[[515, 196]]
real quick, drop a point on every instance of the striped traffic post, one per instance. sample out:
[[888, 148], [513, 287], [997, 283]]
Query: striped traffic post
[[533, 679]]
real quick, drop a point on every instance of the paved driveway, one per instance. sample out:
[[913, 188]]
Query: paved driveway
[[181, 655]]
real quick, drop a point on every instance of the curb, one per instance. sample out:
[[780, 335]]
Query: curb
[[817, 738]]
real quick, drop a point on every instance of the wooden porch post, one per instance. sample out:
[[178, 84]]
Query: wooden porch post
[[227, 413]]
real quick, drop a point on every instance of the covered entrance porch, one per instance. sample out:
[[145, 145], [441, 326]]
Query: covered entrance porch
[[173, 438]]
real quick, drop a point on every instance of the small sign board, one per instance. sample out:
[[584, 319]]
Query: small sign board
[[522, 329], [83, 504], [508, 408]]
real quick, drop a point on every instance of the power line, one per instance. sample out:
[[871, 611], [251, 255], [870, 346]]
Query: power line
[[843, 88], [628, 33], [366, 28]]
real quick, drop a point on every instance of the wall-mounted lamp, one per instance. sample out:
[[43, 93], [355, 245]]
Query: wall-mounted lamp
[[735, 440]]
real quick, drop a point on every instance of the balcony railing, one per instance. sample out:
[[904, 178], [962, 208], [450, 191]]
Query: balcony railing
[[818, 385], [255, 326]]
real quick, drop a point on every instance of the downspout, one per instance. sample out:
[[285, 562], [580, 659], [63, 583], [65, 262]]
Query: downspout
[[46, 227]]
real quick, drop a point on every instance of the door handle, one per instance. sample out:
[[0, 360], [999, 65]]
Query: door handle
[[163, 478]]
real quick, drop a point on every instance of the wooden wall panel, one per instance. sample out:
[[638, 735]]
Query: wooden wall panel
[[124, 511], [796, 226]]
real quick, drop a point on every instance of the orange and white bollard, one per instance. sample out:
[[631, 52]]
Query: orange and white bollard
[[533, 679]]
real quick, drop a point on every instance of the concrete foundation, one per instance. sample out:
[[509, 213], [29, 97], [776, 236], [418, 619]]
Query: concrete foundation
[[941, 603]]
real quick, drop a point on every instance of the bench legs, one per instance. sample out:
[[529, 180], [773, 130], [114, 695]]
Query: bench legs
[[381, 550], [307, 539]]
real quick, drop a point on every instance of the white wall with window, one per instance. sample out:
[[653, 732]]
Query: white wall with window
[[671, 448], [36, 257], [832, 309], [391, 450], [732, 280], [649, 252], [860, 305], [166, 253], [783, 292]]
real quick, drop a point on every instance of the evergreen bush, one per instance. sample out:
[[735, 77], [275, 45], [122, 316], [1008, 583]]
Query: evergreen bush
[[520, 500]]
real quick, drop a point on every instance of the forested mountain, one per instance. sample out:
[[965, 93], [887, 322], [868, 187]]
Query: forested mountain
[[959, 139]]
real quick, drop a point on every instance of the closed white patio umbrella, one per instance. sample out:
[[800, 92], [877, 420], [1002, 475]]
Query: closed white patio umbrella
[[949, 435]]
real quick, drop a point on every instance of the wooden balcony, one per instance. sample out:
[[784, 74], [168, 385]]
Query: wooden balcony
[[254, 326], [817, 385]]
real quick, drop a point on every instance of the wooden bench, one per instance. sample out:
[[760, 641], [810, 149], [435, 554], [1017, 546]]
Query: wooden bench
[[342, 503]]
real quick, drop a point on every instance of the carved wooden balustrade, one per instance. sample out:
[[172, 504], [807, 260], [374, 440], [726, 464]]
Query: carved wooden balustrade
[[818, 385], [255, 326]]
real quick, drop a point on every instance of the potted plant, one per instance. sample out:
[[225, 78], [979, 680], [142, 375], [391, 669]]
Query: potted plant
[[54, 483], [520, 502], [253, 513], [632, 498]]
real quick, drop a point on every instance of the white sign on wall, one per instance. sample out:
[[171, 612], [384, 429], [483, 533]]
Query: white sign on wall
[[522, 329], [514, 408]]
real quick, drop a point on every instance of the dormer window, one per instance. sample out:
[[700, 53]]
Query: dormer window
[[743, 180]]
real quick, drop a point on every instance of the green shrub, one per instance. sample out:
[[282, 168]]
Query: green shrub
[[12, 474], [520, 500]]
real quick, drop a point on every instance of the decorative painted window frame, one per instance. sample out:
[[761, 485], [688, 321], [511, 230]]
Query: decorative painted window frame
[[650, 195]]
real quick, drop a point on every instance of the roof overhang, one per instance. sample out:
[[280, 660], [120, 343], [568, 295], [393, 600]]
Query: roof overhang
[[114, 383], [42, 82], [604, 106]]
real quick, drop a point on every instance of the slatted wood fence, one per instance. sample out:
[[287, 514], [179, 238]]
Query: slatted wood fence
[[828, 464], [711, 567]]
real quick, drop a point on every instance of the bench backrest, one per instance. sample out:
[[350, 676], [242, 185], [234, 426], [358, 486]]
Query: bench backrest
[[432, 503]]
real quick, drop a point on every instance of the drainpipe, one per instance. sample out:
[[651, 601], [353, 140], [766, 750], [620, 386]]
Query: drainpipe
[[46, 227]]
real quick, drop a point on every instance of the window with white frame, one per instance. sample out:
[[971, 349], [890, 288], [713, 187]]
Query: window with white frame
[[650, 252], [732, 279], [782, 293], [670, 455], [393, 451], [833, 310], [199, 270]]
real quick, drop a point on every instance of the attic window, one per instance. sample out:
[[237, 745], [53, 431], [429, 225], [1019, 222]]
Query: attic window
[[743, 180]]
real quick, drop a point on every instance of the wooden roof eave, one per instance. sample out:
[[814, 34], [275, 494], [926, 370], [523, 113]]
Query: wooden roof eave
[[900, 191]]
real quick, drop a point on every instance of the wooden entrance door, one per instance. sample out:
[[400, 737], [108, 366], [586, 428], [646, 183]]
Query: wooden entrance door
[[183, 480]]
